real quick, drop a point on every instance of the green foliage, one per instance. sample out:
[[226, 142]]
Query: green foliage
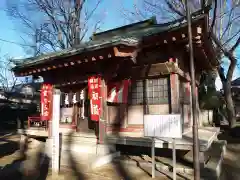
[[209, 97]]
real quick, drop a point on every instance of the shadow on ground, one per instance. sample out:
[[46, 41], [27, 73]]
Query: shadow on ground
[[40, 169], [8, 147], [232, 136], [231, 162]]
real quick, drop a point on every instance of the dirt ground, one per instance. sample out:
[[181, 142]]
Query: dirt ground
[[231, 162], [8, 148], [108, 172], [9, 153]]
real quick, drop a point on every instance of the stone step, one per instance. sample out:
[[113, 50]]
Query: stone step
[[211, 171], [80, 147], [82, 159], [213, 167], [214, 158], [80, 140], [164, 166]]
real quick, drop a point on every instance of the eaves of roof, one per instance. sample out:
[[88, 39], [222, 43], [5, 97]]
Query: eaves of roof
[[131, 38]]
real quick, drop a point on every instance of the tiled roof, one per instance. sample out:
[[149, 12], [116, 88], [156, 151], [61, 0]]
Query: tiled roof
[[129, 35], [236, 82]]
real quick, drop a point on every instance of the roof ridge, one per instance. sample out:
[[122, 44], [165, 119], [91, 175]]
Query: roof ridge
[[151, 20]]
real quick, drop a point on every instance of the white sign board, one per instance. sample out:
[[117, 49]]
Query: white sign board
[[55, 130], [163, 126]]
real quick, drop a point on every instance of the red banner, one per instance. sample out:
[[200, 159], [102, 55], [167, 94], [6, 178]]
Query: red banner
[[46, 101], [94, 90], [118, 91]]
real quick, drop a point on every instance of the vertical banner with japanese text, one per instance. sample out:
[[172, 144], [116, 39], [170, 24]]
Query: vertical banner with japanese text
[[46, 101], [94, 90]]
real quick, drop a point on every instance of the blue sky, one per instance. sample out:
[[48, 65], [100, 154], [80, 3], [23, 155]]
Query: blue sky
[[8, 32], [11, 32], [226, 64], [112, 17]]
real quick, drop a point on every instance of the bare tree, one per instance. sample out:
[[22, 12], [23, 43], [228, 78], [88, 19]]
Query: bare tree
[[7, 78], [51, 25], [224, 19]]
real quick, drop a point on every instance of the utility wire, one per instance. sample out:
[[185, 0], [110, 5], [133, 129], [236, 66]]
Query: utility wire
[[12, 42]]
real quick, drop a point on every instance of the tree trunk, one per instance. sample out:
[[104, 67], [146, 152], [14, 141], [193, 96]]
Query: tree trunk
[[229, 104]]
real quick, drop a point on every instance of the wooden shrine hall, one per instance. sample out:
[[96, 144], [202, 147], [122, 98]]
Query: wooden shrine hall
[[124, 73]]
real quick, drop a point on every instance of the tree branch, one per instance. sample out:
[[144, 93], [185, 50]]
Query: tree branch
[[235, 45], [229, 55], [52, 17], [214, 15], [171, 7]]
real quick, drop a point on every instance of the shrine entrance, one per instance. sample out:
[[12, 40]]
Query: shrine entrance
[[76, 110]]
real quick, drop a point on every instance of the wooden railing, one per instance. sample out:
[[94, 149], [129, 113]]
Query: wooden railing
[[37, 122]]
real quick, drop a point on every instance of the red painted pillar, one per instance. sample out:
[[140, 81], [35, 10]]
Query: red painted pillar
[[174, 91]]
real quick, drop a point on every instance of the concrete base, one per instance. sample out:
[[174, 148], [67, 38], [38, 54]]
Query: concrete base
[[86, 152], [103, 160]]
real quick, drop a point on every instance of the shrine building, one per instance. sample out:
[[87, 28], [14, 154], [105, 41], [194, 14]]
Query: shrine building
[[110, 82]]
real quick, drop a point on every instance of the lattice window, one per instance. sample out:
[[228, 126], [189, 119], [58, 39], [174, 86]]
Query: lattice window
[[156, 91], [136, 93], [184, 92]]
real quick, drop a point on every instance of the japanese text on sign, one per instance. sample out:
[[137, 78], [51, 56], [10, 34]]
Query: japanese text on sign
[[163, 126], [46, 97], [94, 94]]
